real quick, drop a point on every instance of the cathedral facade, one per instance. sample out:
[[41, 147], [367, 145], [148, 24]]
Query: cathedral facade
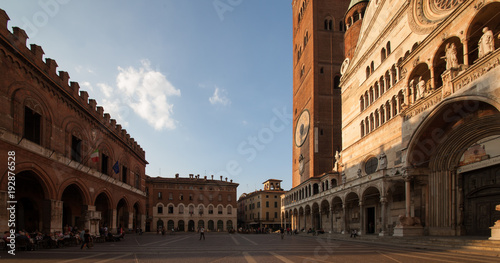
[[65, 161], [420, 123]]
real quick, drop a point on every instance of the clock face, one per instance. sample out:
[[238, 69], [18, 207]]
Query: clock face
[[302, 128]]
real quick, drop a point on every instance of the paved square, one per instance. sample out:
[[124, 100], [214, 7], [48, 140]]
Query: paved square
[[232, 248]]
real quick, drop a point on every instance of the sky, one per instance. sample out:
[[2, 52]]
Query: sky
[[203, 86]]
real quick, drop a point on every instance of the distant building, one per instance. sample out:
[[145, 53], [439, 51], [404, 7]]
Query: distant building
[[261, 208], [73, 164], [187, 204]]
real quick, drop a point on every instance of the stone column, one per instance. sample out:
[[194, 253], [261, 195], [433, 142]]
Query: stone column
[[53, 220], [113, 226], [362, 229], [466, 51], [344, 218], [383, 205], [130, 224]]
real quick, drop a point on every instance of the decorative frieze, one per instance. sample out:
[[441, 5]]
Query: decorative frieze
[[423, 106]]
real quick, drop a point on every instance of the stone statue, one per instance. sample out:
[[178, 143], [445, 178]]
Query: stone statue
[[344, 179], [382, 164], [421, 87], [409, 221], [359, 173], [451, 56], [486, 43]]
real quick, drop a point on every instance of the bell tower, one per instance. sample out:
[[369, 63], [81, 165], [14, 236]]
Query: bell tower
[[318, 46]]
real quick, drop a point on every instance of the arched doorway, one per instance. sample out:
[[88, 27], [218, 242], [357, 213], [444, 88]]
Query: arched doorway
[[180, 225], [371, 198], [352, 217], [137, 217], [337, 215], [72, 198], [211, 225], [191, 226], [220, 225], [461, 190], [229, 225], [159, 224], [29, 208], [103, 204], [122, 214], [170, 225]]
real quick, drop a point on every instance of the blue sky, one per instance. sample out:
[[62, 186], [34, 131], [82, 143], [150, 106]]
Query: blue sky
[[204, 86]]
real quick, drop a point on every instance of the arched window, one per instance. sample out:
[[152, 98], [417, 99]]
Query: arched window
[[210, 209], [387, 80], [376, 89], [181, 209], [372, 123], [401, 100], [382, 85], [362, 127], [229, 210], [367, 102], [367, 71], [394, 106], [383, 54], [377, 119], [388, 48], [387, 111], [219, 210], [361, 103], [372, 67], [367, 125], [371, 95], [170, 209]]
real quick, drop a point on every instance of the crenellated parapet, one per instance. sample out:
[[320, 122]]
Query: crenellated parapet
[[66, 90]]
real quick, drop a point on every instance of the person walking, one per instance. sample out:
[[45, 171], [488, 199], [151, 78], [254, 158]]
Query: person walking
[[282, 232], [202, 233], [86, 239]]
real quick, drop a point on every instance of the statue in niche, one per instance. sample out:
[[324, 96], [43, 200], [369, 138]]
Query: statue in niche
[[451, 56], [382, 164], [359, 173], [421, 87], [486, 43]]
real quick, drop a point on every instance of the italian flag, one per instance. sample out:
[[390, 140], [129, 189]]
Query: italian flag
[[95, 156]]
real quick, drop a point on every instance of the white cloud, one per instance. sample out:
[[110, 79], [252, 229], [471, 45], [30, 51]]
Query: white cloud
[[146, 91], [143, 90], [86, 85], [219, 97]]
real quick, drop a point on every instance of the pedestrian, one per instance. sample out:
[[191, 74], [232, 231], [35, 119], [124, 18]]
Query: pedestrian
[[282, 232], [86, 239], [202, 233]]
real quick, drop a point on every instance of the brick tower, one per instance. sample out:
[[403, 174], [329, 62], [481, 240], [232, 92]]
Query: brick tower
[[318, 44]]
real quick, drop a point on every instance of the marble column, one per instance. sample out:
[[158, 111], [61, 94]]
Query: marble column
[[362, 229], [383, 205]]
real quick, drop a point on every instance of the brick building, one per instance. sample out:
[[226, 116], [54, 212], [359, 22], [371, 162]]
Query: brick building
[[186, 204], [261, 209], [52, 129]]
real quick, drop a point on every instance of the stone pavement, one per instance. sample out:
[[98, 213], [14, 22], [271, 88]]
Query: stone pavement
[[235, 248]]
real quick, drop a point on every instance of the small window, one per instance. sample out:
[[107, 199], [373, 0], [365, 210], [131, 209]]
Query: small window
[[220, 210], [371, 165], [159, 195], [32, 125], [160, 209], [76, 149]]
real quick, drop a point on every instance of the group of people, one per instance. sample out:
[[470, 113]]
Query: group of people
[[37, 239]]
